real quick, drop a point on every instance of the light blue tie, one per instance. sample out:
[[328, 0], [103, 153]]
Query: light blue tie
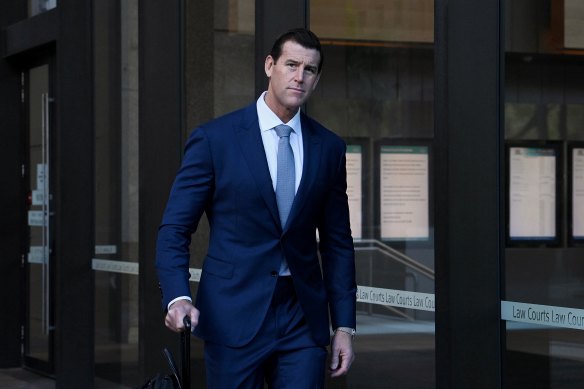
[[286, 175]]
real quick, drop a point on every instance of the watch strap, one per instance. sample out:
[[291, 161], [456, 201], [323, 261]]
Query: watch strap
[[347, 330]]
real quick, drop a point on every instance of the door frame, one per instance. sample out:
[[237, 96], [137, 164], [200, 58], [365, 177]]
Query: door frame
[[469, 129], [68, 29], [43, 57]]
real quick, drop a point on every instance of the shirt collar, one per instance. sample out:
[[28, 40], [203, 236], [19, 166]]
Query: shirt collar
[[268, 119]]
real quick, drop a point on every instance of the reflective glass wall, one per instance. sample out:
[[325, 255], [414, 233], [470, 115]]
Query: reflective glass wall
[[220, 64], [36, 7], [377, 92], [115, 261], [219, 69], [218, 77], [544, 136]]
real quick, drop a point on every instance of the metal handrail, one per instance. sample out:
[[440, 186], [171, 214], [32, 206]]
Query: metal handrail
[[376, 245]]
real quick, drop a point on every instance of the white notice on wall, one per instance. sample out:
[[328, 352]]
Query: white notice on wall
[[404, 186], [36, 218], [578, 193], [38, 197], [40, 175], [355, 189], [532, 193], [106, 249], [37, 254]]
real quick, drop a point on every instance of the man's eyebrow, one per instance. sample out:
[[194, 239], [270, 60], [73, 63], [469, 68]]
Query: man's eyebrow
[[306, 65]]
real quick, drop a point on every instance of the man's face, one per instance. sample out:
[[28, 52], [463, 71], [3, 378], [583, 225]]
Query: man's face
[[292, 79]]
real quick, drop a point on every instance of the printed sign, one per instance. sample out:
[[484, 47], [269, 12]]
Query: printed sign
[[404, 186], [355, 189], [532, 193]]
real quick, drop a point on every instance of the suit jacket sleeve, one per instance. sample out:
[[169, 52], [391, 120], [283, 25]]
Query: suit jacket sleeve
[[337, 252], [190, 193]]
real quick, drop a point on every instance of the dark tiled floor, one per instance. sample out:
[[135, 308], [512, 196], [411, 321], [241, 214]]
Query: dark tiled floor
[[24, 379], [402, 357]]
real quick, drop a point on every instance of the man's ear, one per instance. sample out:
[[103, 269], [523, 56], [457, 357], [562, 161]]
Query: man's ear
[[269, 65]]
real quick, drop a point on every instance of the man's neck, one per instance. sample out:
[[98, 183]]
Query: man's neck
[[283, 113]]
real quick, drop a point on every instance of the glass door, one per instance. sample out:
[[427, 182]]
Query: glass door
[[39, 318], [376, 91], [544, 272]]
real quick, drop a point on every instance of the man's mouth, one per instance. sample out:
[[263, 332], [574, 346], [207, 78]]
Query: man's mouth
[[296, 90]]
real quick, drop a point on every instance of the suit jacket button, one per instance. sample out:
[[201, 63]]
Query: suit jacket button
[[274, 273]]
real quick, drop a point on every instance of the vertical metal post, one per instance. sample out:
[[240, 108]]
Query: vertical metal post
[[469, 138]]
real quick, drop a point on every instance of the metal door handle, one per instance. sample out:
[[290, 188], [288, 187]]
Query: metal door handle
[[46, 265]]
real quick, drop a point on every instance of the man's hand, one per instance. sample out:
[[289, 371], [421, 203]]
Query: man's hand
[[177, 311], [342, 354]]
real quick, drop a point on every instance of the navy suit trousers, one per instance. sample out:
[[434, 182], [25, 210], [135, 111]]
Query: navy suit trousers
[[283, 353]]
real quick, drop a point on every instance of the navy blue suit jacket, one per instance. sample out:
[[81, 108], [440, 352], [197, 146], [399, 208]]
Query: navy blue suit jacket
[[225, 174]]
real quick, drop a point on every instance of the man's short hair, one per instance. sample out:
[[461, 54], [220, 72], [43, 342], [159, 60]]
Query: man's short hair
[[303, 37]]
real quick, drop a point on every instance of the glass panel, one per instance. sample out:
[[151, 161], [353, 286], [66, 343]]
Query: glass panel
[[39, 313], [229, 40], [231, 48], [544, 106], [376, 91], [116, 191], [36, 7]]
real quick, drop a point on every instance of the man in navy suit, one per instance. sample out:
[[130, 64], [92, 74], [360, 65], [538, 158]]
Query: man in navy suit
[[265, 302]]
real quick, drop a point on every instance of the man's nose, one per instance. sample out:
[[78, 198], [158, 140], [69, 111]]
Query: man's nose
[[299, 76]]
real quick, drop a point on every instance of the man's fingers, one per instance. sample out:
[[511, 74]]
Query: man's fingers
[[341, 369], [334, 361], [194, 318], [341, 354], [338, 365], [170, 322], [191, 319], [174, 319]]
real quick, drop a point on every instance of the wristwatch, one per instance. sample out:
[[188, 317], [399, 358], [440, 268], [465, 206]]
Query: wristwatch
[[347, 330]]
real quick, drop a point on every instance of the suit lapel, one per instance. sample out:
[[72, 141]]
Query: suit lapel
[[252, 148], [312, 145]]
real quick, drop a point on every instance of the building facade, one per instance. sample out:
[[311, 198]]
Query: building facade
[[464, 124]]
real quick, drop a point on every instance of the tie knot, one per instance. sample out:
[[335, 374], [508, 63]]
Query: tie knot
[[283, 130]]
